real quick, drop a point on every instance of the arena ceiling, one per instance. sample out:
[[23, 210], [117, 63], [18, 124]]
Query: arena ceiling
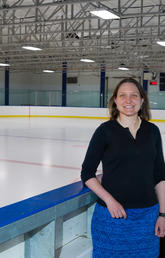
[[66, 31]]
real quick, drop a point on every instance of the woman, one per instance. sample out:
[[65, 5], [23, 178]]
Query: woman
[[127, 221]]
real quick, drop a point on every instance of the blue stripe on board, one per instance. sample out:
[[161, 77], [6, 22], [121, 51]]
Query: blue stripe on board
[[30, 206]]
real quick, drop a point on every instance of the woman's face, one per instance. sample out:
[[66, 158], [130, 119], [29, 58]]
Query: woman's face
[[128, 100]]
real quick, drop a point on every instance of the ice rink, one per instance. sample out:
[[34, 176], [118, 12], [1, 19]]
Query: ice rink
[[41, 154]]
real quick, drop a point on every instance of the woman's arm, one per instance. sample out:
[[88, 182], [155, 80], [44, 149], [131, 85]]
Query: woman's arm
[[160, 224], [115, 208]]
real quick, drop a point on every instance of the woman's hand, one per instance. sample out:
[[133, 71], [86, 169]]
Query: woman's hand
[[160, 224], [160, 227], [116, 209]]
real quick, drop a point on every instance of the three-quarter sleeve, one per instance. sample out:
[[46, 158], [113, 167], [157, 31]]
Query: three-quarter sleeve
[[94, 154], [159, 166]]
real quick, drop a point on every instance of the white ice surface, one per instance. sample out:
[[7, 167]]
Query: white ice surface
[[41, 154]]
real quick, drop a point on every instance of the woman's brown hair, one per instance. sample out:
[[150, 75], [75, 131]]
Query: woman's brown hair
[[144, 112]]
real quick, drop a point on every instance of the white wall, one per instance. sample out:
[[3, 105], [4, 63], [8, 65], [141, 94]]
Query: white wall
[[2, 79], [33, 81], [45, 81], [20, 80], [86, 82]]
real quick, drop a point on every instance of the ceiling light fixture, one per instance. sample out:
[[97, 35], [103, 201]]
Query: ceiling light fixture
[[3, 64], [123, 68], [145, 56], [104, 14], [32, 48], [87, 60], [48, 71], [162, 43]]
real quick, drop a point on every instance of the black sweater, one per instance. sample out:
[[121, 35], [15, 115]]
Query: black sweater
[[131, 167]]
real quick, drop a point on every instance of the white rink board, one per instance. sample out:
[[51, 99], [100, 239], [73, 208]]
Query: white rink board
[[64, 112]]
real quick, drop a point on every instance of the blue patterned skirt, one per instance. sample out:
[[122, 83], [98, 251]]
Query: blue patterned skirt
[[130, 238]]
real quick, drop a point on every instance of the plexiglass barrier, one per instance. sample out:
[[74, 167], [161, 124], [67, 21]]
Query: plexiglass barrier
[[83, 99], [18, 97]]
